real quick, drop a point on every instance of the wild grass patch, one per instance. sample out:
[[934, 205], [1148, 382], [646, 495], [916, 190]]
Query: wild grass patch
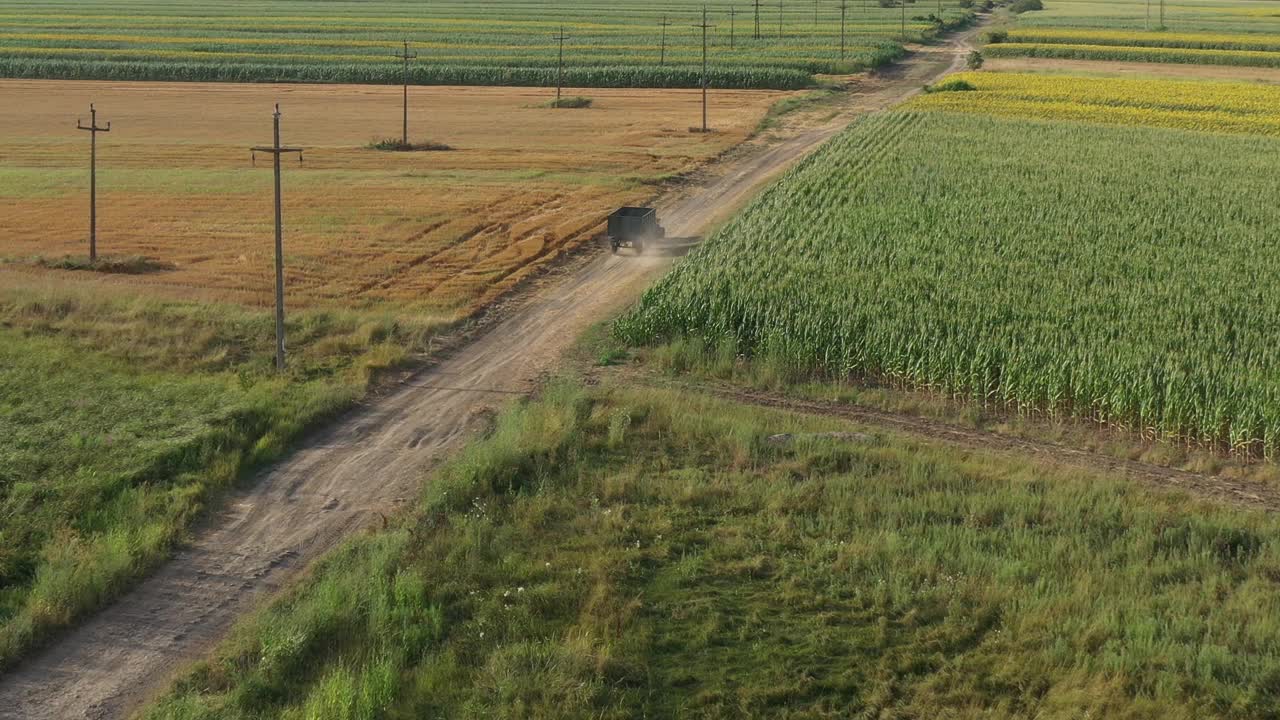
[[616, 553], [398, 145], [121, 420]]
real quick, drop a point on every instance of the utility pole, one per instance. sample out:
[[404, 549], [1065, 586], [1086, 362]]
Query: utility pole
[[276, 151], [732, 12], [93, 177], [757, 19], [560, 72], [844, 5], [903, 3], [1161, 14], [406, 57], [1147, 26], [704, 27], [662, 54], [779, 19]]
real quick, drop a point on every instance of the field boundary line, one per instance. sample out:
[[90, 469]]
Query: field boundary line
[[1249, 495]]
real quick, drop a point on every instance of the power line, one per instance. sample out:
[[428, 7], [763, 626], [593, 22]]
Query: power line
[[276, 150], [406, 57], [93, 176], [560, 71], [844, 7], [704, 27], [662, 53]]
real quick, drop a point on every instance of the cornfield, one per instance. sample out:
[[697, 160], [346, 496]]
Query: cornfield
[[380, 74], [1121, 274], [497, 42]]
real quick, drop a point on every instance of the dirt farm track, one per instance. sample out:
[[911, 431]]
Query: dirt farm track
[[344, 477]]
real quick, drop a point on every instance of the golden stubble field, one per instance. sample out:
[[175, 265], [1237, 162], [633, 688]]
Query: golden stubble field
[[437, 230]]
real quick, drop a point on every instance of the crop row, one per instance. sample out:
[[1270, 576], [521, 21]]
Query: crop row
[[1131, 38], [1121, 274], [857, 58], [1253, 58], [518, 35], [1214, 107], [602, 76], [1178, 17]]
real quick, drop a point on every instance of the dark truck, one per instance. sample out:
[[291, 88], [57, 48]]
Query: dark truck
[[633, 227]]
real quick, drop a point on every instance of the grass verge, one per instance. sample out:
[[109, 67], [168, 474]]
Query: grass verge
[[397, 145], [120, 420], [125, 265], [575, 102], [614, 553], [694, 360]]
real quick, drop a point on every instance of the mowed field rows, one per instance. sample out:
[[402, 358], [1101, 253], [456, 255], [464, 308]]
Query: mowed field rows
[[1117, 273], [440, 231], [493, 43], [1218, 107], [1230, 32]]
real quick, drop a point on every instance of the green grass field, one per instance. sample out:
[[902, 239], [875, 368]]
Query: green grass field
[[123, 418], [492, 43], [621, 553], [1111, 273]]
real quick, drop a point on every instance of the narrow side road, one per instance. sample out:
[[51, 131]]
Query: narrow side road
[[373, 460], [1227, 491]]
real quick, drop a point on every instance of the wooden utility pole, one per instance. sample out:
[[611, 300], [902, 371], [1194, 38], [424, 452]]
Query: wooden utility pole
[[662, 53], [704, 27], [276, 150], [757, 19], [1147, 26], [406, 57], [1161, 14], [93, 176], [732, 12], [560, 71], [779, 19], [844, 6]]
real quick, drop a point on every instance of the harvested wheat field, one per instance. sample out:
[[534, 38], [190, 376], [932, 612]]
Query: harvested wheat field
[[440, 231]]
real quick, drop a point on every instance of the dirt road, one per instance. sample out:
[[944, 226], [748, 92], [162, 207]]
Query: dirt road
[[1224, 490], [375, 458]]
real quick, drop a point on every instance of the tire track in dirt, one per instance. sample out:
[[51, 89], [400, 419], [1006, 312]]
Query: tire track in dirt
[[1250, 495], [370, 462]]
